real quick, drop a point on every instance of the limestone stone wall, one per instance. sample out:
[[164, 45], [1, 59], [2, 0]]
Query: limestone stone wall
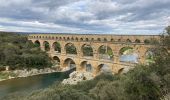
[[115, 42]]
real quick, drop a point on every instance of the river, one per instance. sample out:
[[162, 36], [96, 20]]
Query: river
[[28, 84]]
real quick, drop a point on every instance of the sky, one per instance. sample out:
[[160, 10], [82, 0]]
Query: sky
[[85, 16]]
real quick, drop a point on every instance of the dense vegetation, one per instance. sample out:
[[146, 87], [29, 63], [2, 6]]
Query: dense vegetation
[[16, 51], [144, 82]]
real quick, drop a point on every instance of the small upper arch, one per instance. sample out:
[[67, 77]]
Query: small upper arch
[[137, 41], [128, 41]]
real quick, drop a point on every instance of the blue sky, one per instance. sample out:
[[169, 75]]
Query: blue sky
[[85, 16]]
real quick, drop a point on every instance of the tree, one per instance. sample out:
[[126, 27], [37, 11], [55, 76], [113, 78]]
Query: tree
[[18, 52]]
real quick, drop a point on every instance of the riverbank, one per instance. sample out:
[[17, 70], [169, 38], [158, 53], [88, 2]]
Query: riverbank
[[6, 75]]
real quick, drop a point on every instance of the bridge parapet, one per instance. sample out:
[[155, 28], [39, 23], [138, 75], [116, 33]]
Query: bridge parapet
[[95, 38]]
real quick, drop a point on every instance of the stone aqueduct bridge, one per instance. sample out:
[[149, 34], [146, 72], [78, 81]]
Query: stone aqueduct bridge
[[115, 42]]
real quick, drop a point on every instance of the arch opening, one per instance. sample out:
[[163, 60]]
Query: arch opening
[[70, 48], [127, 54], [37, 43], [87, 50], [81, 39], [98, 39], [57, 47], [85, 66], [105, 39], [87, 39], [103, 68], [137, 41], [112, 40], [77, 39], [124, 69], [56, 61], [69, 63], [128, 41], [72, 38], [146, 41], [120, 71], [151, 53], [119, 40], [105, 52], [149, 56], [46, 46]]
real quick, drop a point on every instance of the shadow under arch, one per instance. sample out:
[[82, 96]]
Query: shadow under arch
[[70, 48], [85, 66], [87, 50]]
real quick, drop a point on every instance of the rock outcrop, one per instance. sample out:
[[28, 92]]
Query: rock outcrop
[[76, 77]]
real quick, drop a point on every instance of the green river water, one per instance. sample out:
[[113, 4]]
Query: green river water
[[28, 84]]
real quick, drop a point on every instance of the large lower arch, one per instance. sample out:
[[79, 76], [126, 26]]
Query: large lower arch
[[85, 66], [37, 43], [56, 61], [57, 47], [120, 71], [46, 46], [69, 63], [105, 52], [103, 68], [127, 54], [149, 56], [87, 50], [152, 52], [70, 48], [124, 69]]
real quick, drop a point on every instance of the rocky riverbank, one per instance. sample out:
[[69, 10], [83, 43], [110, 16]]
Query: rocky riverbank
[[76, 77], [5, 75]]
